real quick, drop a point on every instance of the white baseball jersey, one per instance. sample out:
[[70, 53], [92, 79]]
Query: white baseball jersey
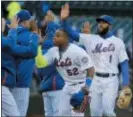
[[71, 64], [105, 54]]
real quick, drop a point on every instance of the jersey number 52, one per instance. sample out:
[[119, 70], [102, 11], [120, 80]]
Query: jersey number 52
[[72, 72]]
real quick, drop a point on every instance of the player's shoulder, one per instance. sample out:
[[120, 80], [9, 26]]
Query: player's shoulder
[[117, 40], [76, 48], [83, 35], [53, 49]]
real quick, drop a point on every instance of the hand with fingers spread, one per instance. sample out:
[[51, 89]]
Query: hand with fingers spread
[[33, 26], [86, 28], [49, 17], [65, 10], [14, 22]]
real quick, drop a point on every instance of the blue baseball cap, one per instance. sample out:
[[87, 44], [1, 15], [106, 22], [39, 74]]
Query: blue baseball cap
[[77, 99], [24, 15], [105, 18]]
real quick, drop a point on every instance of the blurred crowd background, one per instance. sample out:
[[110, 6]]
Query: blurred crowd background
[[80, 12]]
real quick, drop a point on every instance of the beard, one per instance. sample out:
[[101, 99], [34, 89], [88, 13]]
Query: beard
[[103, 32]]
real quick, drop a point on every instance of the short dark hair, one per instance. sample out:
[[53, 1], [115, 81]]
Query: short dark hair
[[65, 33]]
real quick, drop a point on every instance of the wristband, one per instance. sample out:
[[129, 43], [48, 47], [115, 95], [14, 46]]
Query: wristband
[[88, 81]]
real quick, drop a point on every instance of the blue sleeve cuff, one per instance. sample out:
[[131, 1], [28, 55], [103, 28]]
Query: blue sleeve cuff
[[124, 70], [88, 81]]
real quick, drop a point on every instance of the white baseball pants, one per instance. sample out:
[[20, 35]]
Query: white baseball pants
[[103, 92], [51, 103], [21, 96], [65, 109], [9, 106]]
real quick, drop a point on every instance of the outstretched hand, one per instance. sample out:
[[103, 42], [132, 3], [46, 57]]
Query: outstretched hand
[[49, 17], [33, 26], [14, 22], [65, 12], [86, 28]]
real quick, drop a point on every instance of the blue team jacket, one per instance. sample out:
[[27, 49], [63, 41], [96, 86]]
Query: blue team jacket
[[50, 78], [10, 51], [8, 69], [25, 65], [8, 63]]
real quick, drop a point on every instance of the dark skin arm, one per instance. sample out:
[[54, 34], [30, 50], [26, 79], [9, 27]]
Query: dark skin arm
[[90, 72]]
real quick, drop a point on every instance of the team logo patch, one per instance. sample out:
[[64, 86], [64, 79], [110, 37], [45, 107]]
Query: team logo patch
[[77, 62], [84, 60]]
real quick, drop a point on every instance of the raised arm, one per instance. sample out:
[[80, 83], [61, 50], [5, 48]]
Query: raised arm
[[7, 41], [65, 24], [12, 34], [27, 51], [51, 25]]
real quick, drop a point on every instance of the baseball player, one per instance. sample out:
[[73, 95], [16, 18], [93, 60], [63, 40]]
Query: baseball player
[[107, 52], [11, 50], [9, 106], [73, 64], [51, 82], [25, 65], [50, 88]]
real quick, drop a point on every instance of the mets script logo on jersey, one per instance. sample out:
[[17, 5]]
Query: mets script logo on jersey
[[100, 48], [61, 63]]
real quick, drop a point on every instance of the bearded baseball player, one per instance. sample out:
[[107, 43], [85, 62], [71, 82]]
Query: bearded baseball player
[[73, 64], [107, 52]]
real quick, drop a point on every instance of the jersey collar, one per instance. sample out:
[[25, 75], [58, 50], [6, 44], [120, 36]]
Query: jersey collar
[[64, 49]]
